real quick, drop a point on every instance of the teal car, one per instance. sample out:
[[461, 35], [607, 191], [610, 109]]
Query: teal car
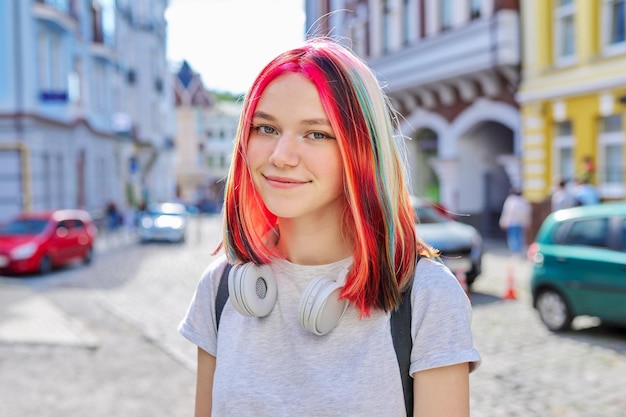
[[579, 265]]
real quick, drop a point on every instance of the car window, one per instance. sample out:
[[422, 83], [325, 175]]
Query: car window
[[24, 227], [428, 215], [588, 232], [623, 234], [168, 208], [67, 224]]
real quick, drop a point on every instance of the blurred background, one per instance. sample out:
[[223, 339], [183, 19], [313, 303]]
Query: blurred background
[[132, 102], [121, 108]]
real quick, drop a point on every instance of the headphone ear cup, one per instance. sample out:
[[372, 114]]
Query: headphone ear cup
[[252, 289], [320, 308]]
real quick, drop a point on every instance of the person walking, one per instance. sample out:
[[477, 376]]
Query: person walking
[[585, 193], [562, 198], [320, 252], [515, 219]]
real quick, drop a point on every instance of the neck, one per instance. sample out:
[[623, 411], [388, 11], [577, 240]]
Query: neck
[[312, 243]]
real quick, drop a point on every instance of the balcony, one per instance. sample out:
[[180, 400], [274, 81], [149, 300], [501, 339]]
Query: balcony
[[471, 51], [61, 13]]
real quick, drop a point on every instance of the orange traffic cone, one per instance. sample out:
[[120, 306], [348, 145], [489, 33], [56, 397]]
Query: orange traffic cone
[[510, 291], [462, 278]]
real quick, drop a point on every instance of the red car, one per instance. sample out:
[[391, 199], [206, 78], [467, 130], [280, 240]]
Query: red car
[[37, 242]]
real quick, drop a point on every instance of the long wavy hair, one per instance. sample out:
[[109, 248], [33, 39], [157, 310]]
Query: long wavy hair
[[378, 217]]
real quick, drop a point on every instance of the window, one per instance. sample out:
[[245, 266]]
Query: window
[[564, 32], [50, 66], [74, 83], [410, 22], [43, 55], [47, 183], [60, 181], [591, 232], [475, 8], [388, 25], [614, 28], [359, 29], [446, 10], [98, 85], [563, 148], [611, 157]]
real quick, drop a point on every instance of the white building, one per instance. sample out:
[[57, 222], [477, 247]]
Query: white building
[[86, 107], [451, 67]]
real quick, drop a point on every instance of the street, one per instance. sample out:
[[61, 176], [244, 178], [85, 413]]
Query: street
[[102, 340]]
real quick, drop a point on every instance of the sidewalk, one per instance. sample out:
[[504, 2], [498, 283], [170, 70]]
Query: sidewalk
[[30, 318], [110, 240]]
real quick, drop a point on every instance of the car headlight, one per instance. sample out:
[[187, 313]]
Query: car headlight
[[24, 251], [146, 222], [169, 221]]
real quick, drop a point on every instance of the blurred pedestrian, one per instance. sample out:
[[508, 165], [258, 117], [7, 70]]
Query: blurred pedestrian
[[113, 216], [320, 230], [585, 193], [562, 198], [515, 219]]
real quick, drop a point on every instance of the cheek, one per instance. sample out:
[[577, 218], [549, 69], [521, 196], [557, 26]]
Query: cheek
[[336, 170], [255, 154]]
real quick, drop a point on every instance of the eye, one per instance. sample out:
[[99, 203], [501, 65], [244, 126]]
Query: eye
[[264, 130], [318, 135]]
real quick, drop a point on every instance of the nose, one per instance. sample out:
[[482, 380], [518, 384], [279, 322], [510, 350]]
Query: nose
[[285, 151]]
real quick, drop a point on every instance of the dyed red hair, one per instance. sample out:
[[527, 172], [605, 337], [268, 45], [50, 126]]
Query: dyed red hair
[[379, 217]]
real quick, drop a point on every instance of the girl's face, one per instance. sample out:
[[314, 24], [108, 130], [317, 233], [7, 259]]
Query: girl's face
[[292, 153]]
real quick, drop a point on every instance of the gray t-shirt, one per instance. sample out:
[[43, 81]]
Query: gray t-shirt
[[272, 367]]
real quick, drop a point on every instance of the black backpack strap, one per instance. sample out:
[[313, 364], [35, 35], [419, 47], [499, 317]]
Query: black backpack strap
[[222, 294], [402, 342]]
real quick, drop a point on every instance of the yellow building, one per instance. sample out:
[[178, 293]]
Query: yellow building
[[573, 95]]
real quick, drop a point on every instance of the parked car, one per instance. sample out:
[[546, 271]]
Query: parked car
[[164, 222], [40, 241], [460, 245], [579, 258]]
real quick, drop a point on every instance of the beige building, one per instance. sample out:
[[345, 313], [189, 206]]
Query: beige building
[[206, 127], [193, 102]]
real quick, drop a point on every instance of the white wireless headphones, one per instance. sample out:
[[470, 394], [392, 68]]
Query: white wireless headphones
[[253, 293]]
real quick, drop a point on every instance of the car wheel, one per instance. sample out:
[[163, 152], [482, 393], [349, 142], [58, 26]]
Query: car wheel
[[554, 311], [88, 258], [45, 265]]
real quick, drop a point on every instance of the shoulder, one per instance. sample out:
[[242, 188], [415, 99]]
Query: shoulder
[[436, 291], [211, 276], [433, 277]]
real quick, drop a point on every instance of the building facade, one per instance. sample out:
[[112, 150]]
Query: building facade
[[206, 125], [573, 95], [451, 68], [86, 107], [222, 121], [192, 104]]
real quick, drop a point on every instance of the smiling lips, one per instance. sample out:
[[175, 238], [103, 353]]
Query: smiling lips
[[283, 182]]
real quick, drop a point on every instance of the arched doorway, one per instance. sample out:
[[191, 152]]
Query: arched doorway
[[425, 181], [485, 154]]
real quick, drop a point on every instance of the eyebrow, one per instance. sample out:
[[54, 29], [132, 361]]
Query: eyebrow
[[309, 122]]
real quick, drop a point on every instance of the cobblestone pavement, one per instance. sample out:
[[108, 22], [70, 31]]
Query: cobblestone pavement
[[528, 371], [102, 341]]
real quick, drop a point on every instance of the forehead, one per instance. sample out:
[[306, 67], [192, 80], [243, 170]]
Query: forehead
[[291, 90]]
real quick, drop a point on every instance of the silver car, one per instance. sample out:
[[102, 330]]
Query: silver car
[[163, 222], [460, 245]]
